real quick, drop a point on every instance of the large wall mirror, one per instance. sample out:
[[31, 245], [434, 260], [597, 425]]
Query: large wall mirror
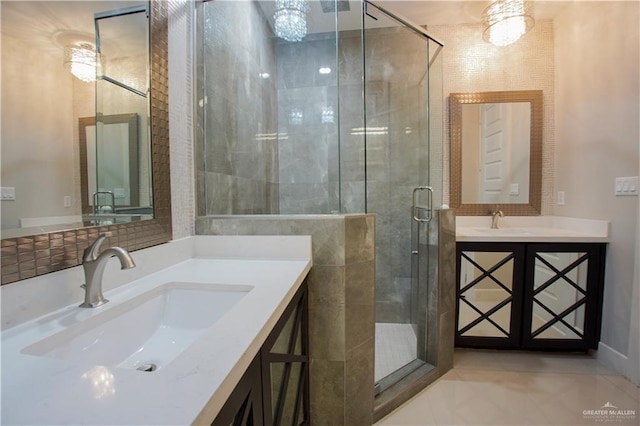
[[82, 156], [496, 152]]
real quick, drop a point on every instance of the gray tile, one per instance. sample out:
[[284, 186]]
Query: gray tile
[[359, 238], [326, 286], [359, 382], [327, 332], [327, 388]]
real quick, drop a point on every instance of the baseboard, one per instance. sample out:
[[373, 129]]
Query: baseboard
[[616, 361]]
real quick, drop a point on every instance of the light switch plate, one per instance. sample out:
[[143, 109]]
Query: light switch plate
[[7, 193], [626, 185]]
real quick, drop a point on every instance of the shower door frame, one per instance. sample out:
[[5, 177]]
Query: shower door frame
[[419, 223]]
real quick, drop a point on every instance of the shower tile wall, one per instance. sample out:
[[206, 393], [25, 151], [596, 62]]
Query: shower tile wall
[[273, 146], [308, 126], [238, 168]]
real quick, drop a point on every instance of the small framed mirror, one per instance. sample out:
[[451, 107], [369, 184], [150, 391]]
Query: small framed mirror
[[496, 152]]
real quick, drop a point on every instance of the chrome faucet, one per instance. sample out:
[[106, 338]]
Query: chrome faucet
[[495, 215], [94, 264]]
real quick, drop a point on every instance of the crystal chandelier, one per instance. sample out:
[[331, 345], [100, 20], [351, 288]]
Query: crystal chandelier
[[505, 21], [82, 60], [291, 19]]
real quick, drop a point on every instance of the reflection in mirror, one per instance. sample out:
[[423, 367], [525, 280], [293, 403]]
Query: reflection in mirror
[[496, 152], [49, 68], [559, 304], [495, 159], [123, 182], [119, 192], [485, 299], [43, 99]]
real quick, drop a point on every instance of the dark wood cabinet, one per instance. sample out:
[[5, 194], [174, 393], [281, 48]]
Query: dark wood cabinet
[[274, 390], [545, 296]]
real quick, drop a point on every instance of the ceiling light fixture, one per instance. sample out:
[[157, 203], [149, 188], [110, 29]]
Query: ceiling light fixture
[[505, 21], [82, 60], [290, 19]]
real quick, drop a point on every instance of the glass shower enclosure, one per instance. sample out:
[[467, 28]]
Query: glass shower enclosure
[[346, 120]]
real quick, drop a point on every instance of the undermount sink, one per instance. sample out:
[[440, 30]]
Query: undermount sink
[[504, 231], [147, 332]]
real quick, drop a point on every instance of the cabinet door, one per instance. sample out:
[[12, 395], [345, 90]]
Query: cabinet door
[[489, 294], [244, 406], [562, 295], [285, 367]]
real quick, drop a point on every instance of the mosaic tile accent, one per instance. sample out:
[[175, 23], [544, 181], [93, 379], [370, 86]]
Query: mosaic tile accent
[[535, 179], [472, 65], [181, 118], [28, 256]]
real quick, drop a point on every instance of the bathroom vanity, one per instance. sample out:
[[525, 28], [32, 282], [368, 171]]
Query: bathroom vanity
[[174, 341], [535, 283]]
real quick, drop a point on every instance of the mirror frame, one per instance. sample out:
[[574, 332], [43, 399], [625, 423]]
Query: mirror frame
[[456, 101], [32, 255]]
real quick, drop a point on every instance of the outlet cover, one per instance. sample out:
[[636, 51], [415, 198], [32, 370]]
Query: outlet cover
[[7, 193]]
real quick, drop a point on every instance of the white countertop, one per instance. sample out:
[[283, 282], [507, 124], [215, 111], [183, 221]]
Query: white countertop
[[542, 229], [191, 388]]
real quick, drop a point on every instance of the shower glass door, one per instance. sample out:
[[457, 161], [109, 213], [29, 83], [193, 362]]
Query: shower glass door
[[396, 62]]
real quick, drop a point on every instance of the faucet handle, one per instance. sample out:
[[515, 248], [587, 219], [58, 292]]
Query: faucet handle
[[91, 252]]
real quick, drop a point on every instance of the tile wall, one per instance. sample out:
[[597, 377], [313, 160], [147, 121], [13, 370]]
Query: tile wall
[[341, 306]]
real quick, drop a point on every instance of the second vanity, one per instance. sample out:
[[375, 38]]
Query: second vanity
[[217, 299], [533, 283]]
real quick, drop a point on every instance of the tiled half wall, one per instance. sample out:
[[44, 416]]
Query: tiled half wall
[[341, 306]]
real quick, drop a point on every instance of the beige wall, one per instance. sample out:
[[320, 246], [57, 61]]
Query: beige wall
[[597, 111], [38, 141], [472, 65]]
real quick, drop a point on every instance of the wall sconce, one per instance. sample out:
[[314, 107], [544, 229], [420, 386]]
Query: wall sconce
[[290, 19], [81, 58], [505, 21]]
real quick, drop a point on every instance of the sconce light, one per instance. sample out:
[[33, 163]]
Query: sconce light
[[81, 58], [290, 19], [505, 21]]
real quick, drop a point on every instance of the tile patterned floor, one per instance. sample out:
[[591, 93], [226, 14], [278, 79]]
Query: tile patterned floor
[[517, 388], [396, 346]]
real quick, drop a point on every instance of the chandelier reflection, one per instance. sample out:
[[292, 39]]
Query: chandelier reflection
[[82, 60], [290, 19], [505, 21], [102, 381]]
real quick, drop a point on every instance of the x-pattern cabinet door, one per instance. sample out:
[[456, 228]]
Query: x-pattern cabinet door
[[489, 294], [563, 296]]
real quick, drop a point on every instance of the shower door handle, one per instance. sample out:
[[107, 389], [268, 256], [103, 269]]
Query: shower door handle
[[415, 209]]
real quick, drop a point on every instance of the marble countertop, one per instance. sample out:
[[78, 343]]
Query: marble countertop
[[542, 229], [190, 389]]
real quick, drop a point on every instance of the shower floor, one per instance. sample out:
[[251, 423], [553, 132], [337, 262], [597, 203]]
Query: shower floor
[[396, 346]]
